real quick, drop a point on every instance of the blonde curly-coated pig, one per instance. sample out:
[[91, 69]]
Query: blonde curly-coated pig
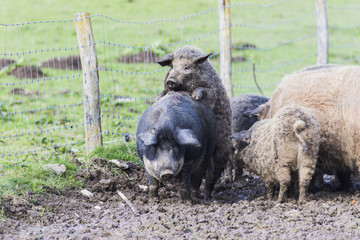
[[278, 147], [332, 93]]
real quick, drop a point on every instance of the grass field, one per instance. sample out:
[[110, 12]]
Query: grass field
[[44, 123]]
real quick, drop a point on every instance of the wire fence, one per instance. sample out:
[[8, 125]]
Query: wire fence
[[41, 80]]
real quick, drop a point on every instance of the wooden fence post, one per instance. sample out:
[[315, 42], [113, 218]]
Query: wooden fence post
[[225, 45], [323, 36], [91, 81]]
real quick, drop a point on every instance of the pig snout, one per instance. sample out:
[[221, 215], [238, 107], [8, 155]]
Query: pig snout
[[171, 83], [166, 175]]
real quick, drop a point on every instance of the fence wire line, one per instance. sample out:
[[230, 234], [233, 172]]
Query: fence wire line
[[277, 66], [271, 26], [280, 44], [261, 6]]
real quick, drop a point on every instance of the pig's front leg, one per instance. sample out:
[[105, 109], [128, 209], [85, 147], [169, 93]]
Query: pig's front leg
[[184, 182], [207, 94], [163, 93], [154, 186]]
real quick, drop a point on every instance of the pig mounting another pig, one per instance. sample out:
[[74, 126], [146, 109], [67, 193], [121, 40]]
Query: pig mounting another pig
[[190, 71]]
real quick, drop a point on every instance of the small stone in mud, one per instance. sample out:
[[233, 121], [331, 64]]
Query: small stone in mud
[[120, 164], [56, 168], [161, 209], [107, 184], [143, 188], [293, 213], [97, 207], [87, 193]]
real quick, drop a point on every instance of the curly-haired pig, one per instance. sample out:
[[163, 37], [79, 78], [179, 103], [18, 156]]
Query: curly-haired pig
[[176, 137], [242, 119], [191, 71], [332, 93], [288, 143]]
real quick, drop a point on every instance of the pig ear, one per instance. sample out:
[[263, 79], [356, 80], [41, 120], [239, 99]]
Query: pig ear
[[149, 138], [186, 137], [201, 58], [167, 60], [243, 136]]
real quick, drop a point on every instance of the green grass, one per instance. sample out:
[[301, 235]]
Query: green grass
[[124, 151], [47, 125], [31, 176]]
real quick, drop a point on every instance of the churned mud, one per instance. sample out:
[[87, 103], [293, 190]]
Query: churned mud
[[237, 211]]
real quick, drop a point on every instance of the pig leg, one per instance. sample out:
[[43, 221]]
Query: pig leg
[[284, 176], [195, 185], [222, 150], [238, 167], [207, 94], [198, 175], [209, 178], [154, 186], [270, 190], [305, 175], [229, 171], [345, 180], [235, 163], [184, 182]]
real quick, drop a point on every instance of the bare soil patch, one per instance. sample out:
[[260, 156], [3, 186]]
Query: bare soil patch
[[239, 59], [32, 72], [5, 62], [243, 46], [21, 91], [141, 57], [69, 63], [236, 211]]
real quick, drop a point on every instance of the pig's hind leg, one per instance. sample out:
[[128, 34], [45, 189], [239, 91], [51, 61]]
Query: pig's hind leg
[[305, 175], [270, 189], [284, 177]]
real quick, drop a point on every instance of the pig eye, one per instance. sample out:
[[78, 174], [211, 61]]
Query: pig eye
[[174, 150]]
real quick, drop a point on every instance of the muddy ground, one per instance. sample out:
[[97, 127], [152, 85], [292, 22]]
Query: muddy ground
[[237, 211]]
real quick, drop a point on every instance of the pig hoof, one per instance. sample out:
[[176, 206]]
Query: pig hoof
[[195, 194], [196, 201], [185, 196], [301, 201], [153, 192], [197, 95]]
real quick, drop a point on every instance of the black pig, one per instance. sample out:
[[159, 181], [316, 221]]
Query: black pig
[[242, 119], [176, 137]]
